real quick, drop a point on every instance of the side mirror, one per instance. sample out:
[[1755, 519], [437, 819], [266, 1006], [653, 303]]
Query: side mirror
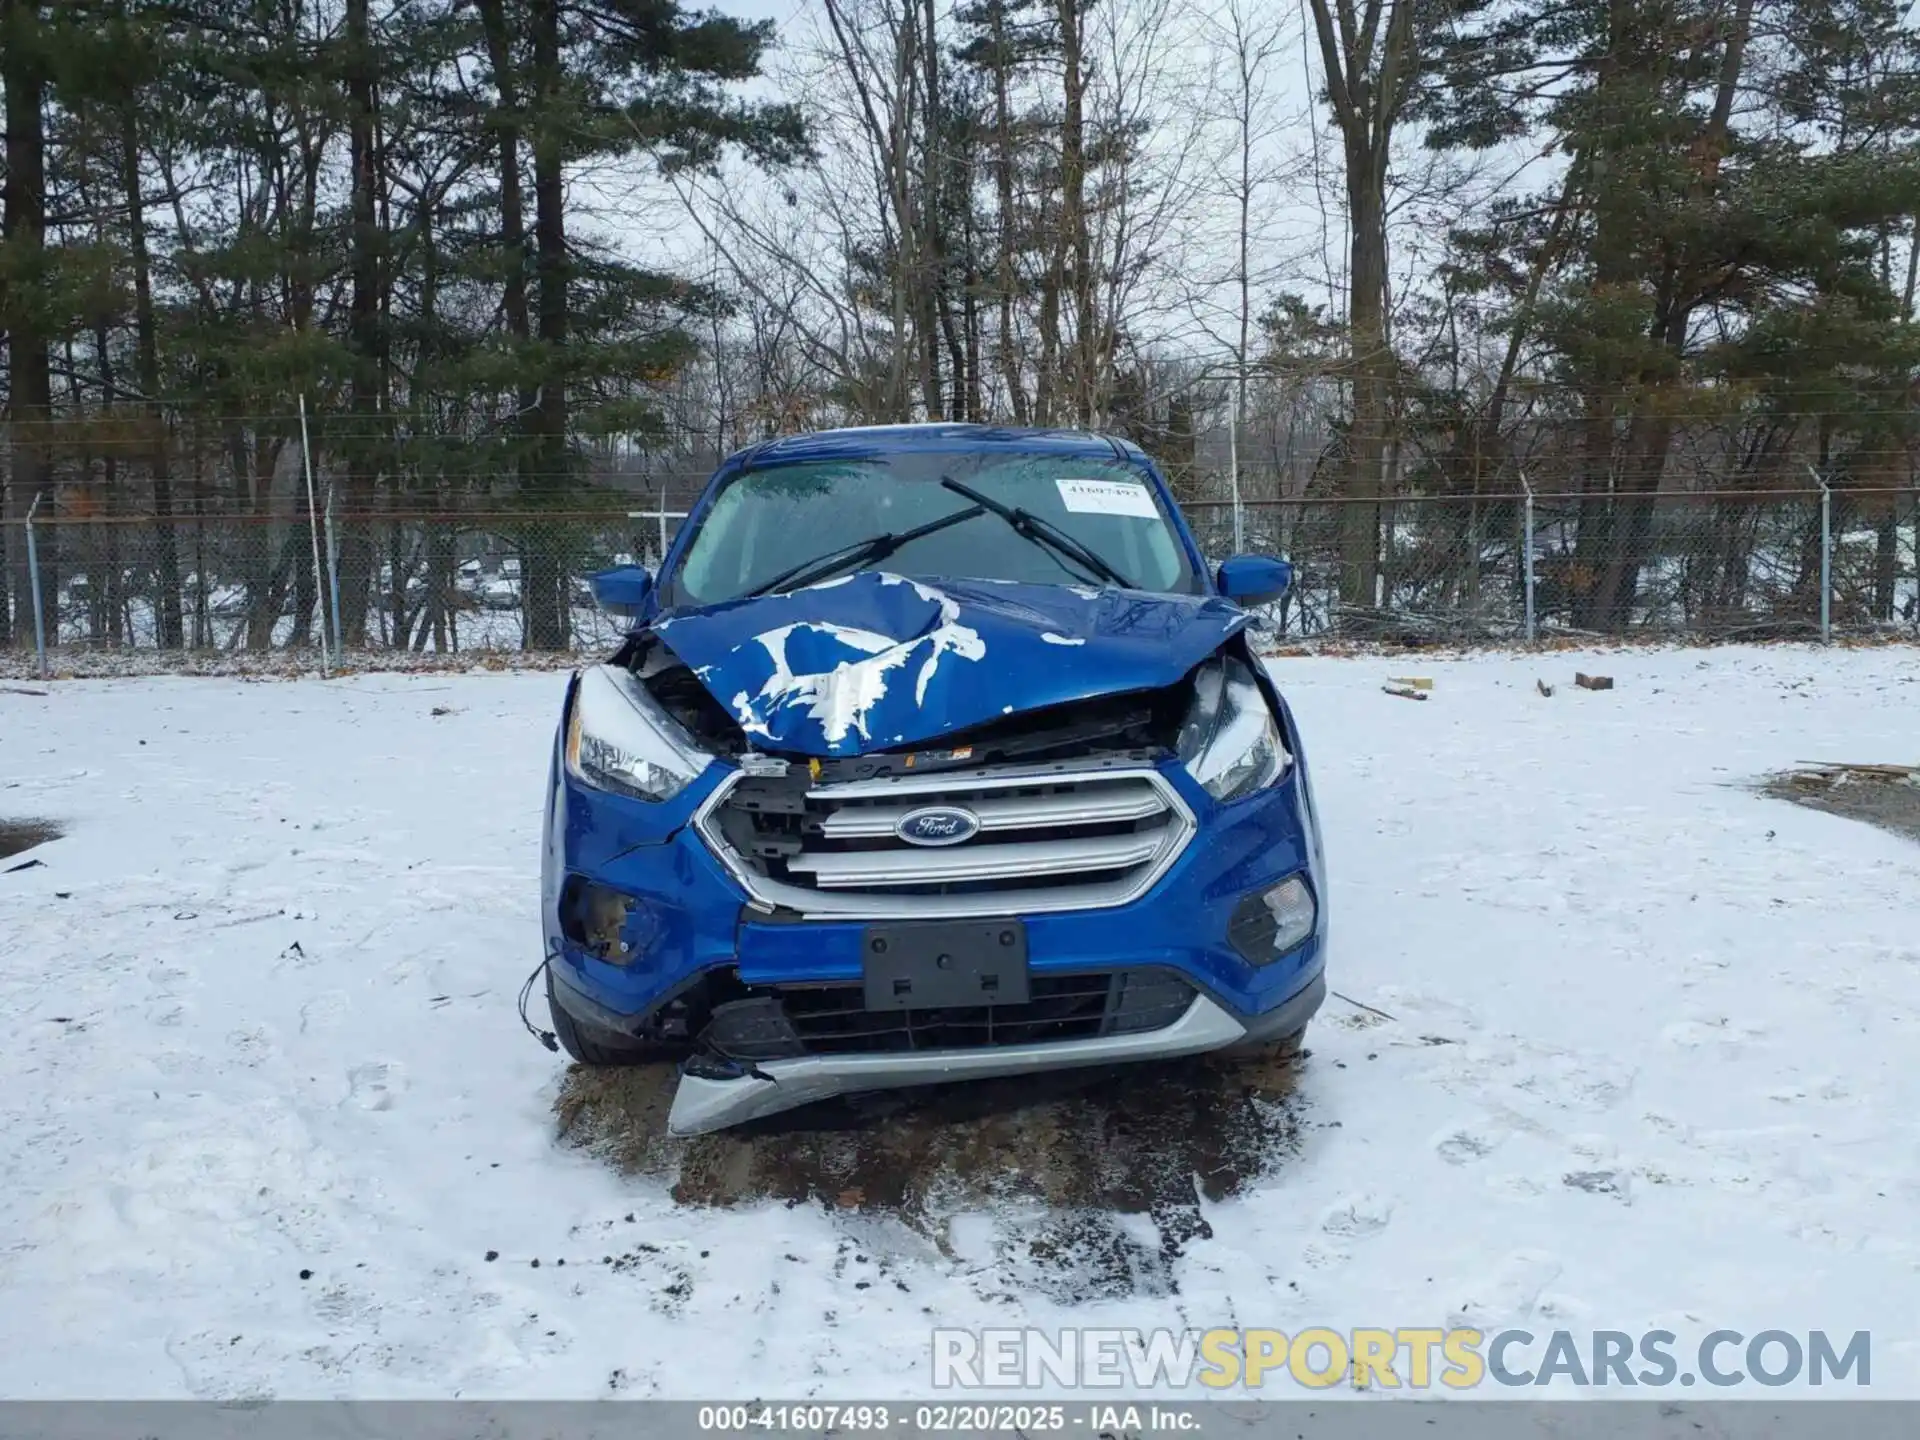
[[623, 589], [1255, 579]]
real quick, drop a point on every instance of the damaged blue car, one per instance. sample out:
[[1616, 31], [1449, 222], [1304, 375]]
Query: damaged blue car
[[933, 752]]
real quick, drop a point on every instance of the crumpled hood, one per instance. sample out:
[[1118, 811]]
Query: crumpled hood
[[875, 660]]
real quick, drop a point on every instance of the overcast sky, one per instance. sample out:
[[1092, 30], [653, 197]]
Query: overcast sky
[[1300, 235]]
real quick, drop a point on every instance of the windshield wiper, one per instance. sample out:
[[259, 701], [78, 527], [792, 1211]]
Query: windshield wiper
[[1042, 532], [860, 552]]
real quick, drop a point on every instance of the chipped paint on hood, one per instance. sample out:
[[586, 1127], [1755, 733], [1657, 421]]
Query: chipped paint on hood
[[839, 699], [875, 660]]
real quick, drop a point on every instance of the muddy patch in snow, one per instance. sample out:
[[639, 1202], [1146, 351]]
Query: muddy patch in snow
[[1876, 795], [1087, 1148], [19, 835]]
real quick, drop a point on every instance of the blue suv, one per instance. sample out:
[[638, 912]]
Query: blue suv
[[933, 752]]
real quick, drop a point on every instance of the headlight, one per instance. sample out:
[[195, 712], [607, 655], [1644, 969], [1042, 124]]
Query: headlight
[[1229, 740], [619, 739]]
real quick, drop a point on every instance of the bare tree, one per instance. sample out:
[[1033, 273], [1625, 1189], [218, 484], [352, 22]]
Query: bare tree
[[1250, 169], [971, 241], [1149, 188]]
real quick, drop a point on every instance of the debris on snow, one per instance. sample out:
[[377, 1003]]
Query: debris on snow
[[1361, 1005], [1880, 794], [1403, 693], [1593, 682], [21, 835], [1835, 773], [1598, 1182]]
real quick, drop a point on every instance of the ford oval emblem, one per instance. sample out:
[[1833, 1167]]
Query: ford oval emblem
[[938, 825]]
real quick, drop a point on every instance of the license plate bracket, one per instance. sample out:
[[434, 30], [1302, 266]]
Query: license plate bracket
[[944, 964]]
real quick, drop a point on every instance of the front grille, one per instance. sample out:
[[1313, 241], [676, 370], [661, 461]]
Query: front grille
[[1050, 837], [834, 1020]]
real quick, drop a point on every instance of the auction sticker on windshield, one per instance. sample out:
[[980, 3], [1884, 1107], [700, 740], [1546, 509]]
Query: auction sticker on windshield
[[1107, 497]]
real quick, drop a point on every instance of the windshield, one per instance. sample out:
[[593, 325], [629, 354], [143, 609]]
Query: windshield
[[766, 522]]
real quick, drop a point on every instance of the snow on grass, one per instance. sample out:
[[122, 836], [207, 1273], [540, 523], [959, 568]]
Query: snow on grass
[[266, 1108]]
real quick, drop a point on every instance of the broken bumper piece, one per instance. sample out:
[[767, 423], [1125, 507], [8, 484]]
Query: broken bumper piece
[[706, 1102]]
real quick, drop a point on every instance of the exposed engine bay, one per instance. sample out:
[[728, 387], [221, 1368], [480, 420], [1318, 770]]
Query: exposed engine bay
[[1135, 725]]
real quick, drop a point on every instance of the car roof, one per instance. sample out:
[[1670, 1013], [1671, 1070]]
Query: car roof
[[867, 442]]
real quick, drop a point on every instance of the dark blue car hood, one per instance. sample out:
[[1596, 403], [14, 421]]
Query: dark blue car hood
[[876, 660]]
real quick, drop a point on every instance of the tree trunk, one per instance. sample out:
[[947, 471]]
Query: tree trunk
[[306, 597], [1617, 588], [1886, 560], [30, 378], [1243, 283], [441, 562], [971, 387], [253, 475], [535, 462], [1075, 242], [937, 199], [1046, 380], [1367, 437], [106, 587], [1367, 71], [1736, 523], [546, 614], [363, 452], [1005, 259], [169, 624], [513, 223]]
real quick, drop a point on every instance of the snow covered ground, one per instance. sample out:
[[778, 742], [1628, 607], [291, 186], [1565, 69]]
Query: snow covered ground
[[265, 1107]]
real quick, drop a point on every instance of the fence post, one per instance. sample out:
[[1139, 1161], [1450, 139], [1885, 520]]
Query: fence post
[[1526, 551], [1233, 469], [1826, 556], [659, 515], [33, 580], [313, 526]]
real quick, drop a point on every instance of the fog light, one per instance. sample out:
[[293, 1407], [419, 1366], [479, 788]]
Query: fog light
[[607, 924], [1269, 923]]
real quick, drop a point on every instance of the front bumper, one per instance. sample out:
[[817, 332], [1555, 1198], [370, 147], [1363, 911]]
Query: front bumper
[[690, 917], [702, 1104]]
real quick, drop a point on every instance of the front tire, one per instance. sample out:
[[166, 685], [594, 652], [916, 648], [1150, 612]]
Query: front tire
[[590, 1045], [1280, 1047], [1288, 1047]]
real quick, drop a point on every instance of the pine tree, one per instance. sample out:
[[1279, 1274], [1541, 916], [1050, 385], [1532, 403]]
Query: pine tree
[[577, 82], [1697, 201]]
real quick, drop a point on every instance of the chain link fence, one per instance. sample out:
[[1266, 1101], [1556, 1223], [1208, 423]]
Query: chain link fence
[[429, 583], [1752, 565], [1713, 566]]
